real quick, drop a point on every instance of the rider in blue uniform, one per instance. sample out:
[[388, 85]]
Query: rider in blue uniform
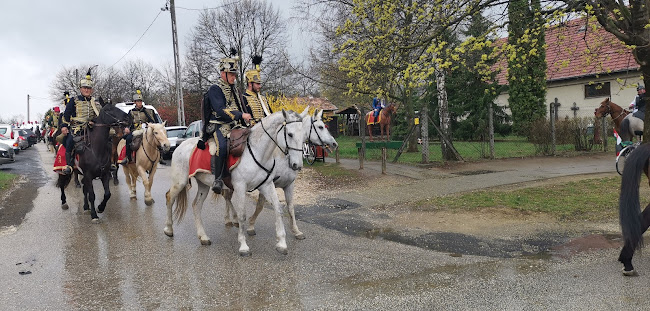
[[221, 111], [377, 106]]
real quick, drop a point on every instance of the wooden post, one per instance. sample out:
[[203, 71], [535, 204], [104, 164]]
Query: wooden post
[[338, 160], [552, 117], [361, 156], [383, 160], [604, 131], [491, 129]]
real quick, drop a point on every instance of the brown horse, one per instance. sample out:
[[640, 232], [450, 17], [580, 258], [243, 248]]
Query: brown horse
[[607, 107], [384, 121]]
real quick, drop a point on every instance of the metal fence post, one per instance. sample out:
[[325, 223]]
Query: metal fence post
[[604, 131], [491, 128], [552, 117]]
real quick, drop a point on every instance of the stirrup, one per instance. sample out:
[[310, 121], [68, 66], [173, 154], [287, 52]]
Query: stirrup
[[217, 186]]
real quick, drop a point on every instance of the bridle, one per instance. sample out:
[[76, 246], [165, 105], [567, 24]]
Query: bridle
[[146, 134], [609, 111], [285, 152], [313, 128]]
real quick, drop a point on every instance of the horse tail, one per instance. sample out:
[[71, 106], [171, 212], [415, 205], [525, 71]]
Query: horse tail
[[629, 205], [626, 133], [181, 203], [63, 181]]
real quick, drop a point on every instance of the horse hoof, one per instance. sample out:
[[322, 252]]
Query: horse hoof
[[133, 197], [116, 182], [251, 232], [64, 206], [95, 220], [236, 224], [148, 202], [300, 236], [86, 211], [169, 232], [229, 224], [206, 242], [629, 273], [245, 253], [281, 250]]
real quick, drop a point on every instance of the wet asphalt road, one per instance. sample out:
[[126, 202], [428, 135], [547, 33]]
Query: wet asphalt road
[[59, 260]]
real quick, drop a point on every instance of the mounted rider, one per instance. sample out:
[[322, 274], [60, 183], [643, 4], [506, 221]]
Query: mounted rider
[[140, 115], [638, 104], [79, 111], [377, 106], [221, 112], [253, 100]]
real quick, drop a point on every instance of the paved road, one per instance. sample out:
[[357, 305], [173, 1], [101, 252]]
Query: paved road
[[58, 260]]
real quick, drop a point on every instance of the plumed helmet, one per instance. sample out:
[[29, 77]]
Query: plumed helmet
[[255, 74], [87, 81], [230, 64], [137, 95], [56, 109], [640, 87]]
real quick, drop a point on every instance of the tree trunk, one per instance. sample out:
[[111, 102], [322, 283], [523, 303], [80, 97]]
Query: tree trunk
[[445, 120]]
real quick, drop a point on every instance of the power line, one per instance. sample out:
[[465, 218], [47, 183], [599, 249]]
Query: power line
[[215, 8], [127, 52]]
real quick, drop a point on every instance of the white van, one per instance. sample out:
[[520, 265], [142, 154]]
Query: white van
[[126, 107]]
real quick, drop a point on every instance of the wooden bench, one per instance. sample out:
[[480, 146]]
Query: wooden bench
[[383, 145]]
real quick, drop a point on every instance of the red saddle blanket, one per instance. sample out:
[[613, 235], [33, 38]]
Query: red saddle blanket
[[200, 161], [371, 118], [122, 155], [59, 161]]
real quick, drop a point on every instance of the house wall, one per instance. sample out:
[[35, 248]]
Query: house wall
[[569, 91]]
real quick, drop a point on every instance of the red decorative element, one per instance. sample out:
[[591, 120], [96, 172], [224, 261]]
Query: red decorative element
[[200, 161], [122, 155]]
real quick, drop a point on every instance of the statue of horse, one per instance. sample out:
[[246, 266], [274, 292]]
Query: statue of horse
[[281, 130], [284, 176], [384, 121], [633, 223], [146, 160], [95, 161], [627, 125]]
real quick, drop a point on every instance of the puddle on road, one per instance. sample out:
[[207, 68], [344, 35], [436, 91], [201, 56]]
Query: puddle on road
[[477, 172]]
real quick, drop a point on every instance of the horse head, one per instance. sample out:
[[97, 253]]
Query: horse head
[[293, 138], [113, 116], [603, 109], [391, 108], [317, 132], [160, 135]]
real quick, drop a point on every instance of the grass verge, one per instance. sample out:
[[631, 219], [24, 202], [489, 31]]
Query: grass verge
[[6, 180], [589, 199]]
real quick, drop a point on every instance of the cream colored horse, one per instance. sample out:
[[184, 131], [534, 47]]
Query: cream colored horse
[[147, 157]]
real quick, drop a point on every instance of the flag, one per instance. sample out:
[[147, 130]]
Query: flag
[[619, 147]]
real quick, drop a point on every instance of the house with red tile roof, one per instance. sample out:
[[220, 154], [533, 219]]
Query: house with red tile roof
[[586, 64]]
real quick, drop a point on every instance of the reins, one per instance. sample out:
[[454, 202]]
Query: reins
[[144, 148]]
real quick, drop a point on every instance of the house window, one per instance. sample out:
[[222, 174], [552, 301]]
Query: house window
[[597, 90]]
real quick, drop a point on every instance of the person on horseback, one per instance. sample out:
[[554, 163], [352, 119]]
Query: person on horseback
[[253, 101], [79, 111], [221, 111], [140, 115], [377, 106], [638, 104]]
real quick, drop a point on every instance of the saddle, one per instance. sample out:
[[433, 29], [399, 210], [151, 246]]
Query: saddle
[[236, 143], [136, 142]]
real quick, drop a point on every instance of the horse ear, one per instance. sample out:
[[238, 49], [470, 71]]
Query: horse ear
[[319, 115], [305, 112], [164, 123], [284, 113]]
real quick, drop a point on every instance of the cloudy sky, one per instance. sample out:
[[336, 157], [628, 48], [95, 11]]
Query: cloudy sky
[[38, 38]]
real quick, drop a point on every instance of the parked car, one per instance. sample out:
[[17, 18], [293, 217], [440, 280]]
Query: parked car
[[6, 154], [8, 137], [21, 138], [126, 107], [31, 136], [173, 134], [195, 129]]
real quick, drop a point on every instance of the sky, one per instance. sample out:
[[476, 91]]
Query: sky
[[40, 37]]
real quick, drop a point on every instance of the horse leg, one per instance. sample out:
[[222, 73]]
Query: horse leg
[[370, 131], [258, 209], [239, 202], [130, 179], [272, 196], [148, 182], [89, 194], [197, 205], [64, 203], [288, 197], [116, 181], [230, 210], [628, 249], [176, 192], [107, 192]]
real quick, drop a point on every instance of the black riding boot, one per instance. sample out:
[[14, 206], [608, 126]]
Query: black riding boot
[[69, 161], [217, 167]]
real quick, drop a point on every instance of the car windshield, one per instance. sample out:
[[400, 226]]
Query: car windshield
[[3, 131], [175, 132]]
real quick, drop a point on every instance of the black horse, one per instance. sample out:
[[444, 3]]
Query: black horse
[[633, 222], [95, 160]]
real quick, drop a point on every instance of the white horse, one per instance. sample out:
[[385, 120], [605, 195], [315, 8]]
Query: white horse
[[281, 130], [284, 176], [154, 138]]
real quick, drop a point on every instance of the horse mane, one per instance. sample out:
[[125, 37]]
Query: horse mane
[[272, 121]]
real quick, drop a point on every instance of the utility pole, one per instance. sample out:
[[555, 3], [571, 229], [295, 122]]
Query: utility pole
[[27, 108], [177, 64]]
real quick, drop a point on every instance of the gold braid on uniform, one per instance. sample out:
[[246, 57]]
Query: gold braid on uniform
[[230, 99], [255, 105]]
